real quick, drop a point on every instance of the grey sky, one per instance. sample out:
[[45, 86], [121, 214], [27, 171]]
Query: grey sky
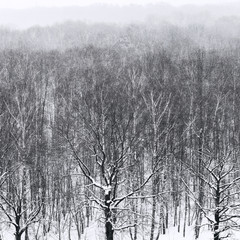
[[59, 3], [26, 13]]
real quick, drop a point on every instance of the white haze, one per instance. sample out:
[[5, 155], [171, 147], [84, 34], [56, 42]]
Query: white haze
[[21, 4], [22, 14]]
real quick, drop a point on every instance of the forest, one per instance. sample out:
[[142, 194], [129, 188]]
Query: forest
[[119, 131]]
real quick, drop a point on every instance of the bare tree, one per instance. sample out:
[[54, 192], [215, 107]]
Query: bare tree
[[19, 211], [159, 111], [221, 178], [101, 135]]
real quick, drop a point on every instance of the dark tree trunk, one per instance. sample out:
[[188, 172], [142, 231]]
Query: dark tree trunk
[[26, 234], [217, 213], [17, 237], [108, 216], [216, 228], [18, 234], [153, 217], [109, 230]]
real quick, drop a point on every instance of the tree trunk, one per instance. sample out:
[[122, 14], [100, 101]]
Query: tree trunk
[[200, 128], [217, 214], [198, 223], [69, 227], [109, 230], [216, 228], [17, 237], [88, 214], [179, 216], [153, 217], [108, 217], [17, 227], [26, 234], [18, 234], [185, 215]]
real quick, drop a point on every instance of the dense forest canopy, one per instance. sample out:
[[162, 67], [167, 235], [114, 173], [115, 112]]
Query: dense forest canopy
[[134, 127]]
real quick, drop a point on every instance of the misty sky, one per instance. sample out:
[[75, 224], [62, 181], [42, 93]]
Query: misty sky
[[59, 3]]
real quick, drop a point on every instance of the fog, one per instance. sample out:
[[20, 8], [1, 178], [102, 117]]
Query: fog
[[174, 11], [20, 4]]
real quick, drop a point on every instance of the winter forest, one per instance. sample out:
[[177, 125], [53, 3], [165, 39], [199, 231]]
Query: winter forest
[[120, 131]]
